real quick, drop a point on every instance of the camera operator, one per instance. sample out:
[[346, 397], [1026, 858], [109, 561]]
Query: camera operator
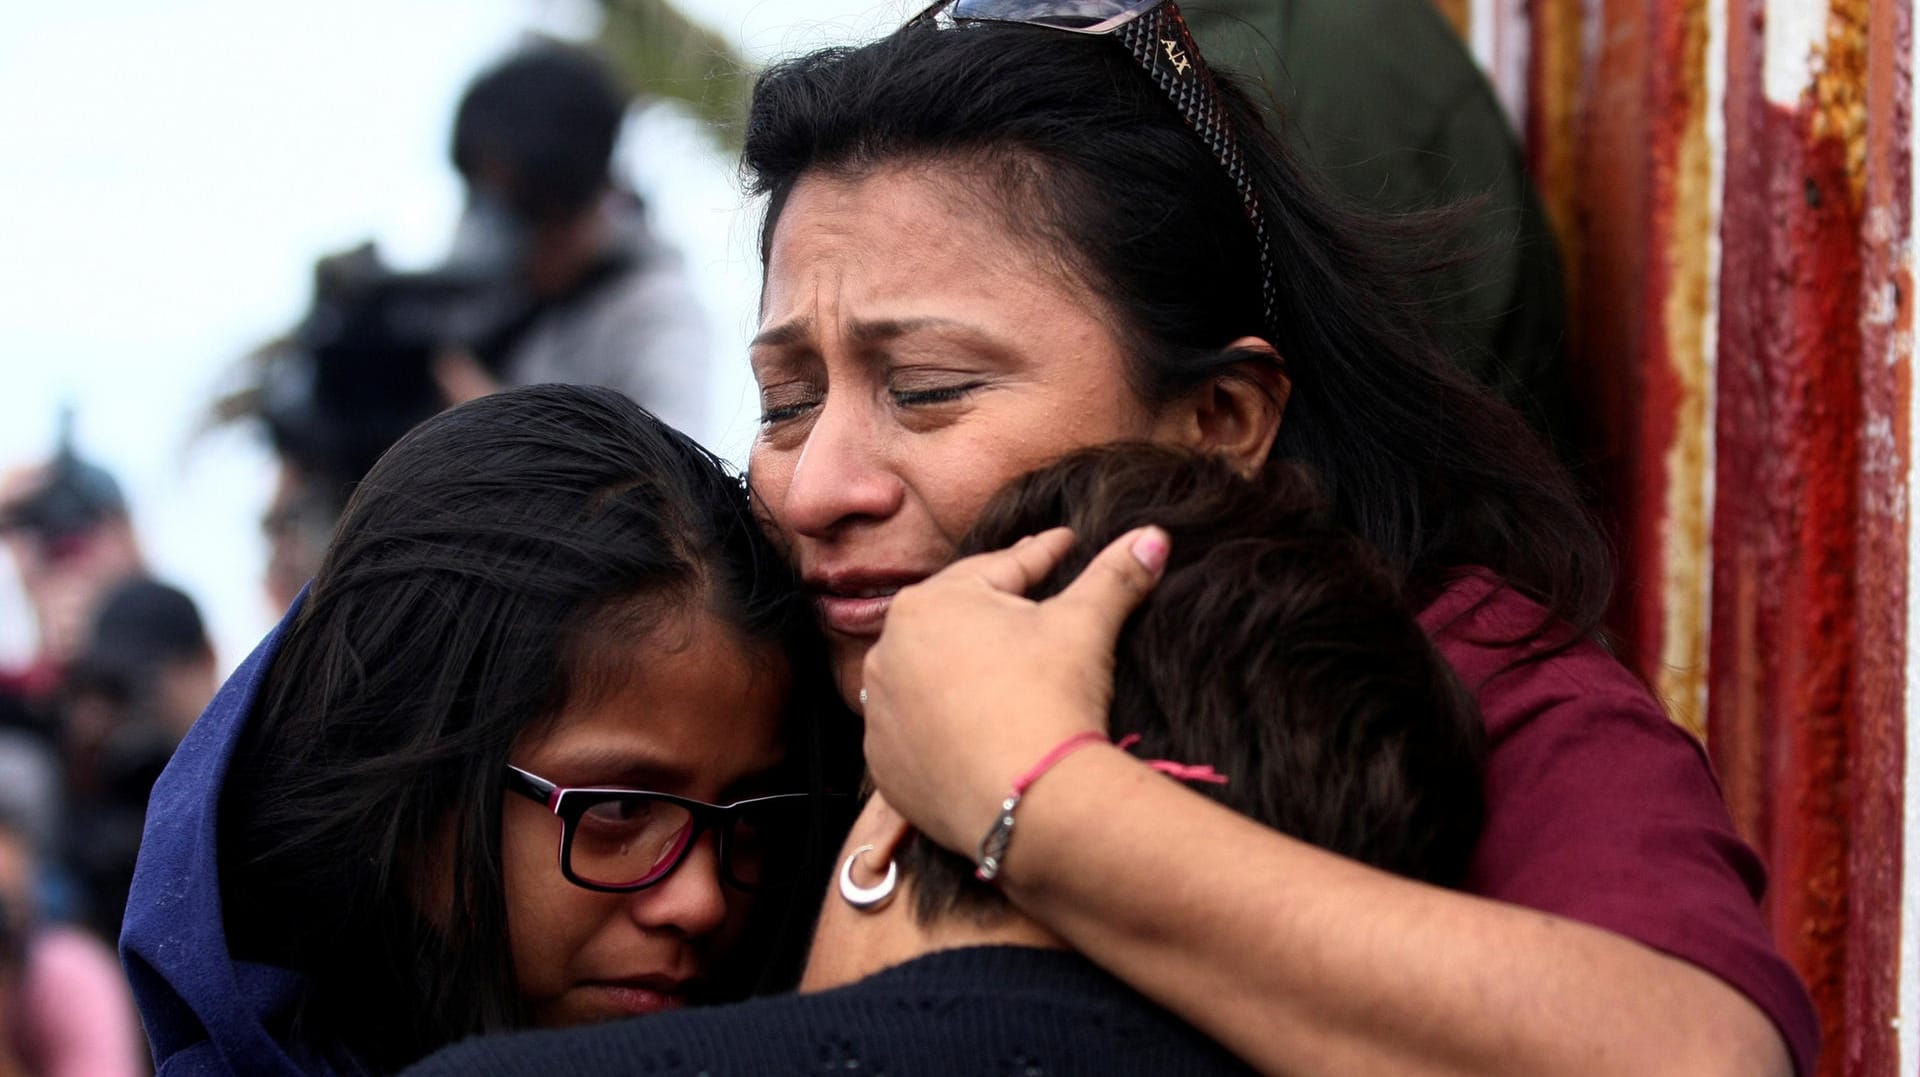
[[144, 674], [358, 371], [606, 301]]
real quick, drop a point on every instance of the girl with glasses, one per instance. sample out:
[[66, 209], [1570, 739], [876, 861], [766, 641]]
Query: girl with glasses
[[1016, 228], [531, 750]]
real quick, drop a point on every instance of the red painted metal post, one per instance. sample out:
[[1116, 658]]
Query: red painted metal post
[[1639, 184], [1877, 749], [1615, 198], [1796, 402], [1786, 518]]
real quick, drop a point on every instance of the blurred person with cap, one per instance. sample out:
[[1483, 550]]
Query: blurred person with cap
[[145, 673], [604, 300], [65, 522], [148, 656]]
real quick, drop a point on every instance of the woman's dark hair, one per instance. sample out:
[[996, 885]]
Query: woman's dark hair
[[1079, 151], [488, 573], [1277, 648]]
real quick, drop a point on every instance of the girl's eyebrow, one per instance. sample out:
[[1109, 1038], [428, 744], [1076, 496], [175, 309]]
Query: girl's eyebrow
[[611, 768], [776, 778]]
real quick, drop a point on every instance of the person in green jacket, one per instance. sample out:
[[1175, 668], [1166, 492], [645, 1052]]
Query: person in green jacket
[[1385, 98]]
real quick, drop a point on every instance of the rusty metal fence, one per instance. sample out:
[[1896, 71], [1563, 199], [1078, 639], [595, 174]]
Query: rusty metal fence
[[1732, 183]]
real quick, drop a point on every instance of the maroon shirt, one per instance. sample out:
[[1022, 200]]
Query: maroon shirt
[[1601, 810]]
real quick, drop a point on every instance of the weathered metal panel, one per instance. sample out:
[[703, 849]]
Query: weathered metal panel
[[1873, 116], [1556, 82], [1613, 192], [1687, 170], [1638, 182], [1733, 184], [1784, 528]]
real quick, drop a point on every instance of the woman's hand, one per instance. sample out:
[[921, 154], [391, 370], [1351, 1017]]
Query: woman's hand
[[971, 683]]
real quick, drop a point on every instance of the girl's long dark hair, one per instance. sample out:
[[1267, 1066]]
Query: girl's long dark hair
[[1069, 142], [478, 566]]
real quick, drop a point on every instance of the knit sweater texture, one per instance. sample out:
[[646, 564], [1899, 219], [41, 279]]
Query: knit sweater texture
[[991, 1011]]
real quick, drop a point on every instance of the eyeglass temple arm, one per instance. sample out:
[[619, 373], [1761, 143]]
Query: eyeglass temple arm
[[531, 786]]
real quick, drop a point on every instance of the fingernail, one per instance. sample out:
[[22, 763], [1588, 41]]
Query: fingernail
[[1150, 548]]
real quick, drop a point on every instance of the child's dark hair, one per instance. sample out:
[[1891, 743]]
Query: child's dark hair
[[485, 576], [1276, 648]]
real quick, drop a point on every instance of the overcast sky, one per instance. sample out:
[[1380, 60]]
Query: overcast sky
[[169, 173]]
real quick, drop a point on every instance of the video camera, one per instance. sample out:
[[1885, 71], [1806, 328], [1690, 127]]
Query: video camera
[[75, 497], [358, 371]]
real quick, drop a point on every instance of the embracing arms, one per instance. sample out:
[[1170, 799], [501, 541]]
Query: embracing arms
[[1304, 962], [1296, 959]]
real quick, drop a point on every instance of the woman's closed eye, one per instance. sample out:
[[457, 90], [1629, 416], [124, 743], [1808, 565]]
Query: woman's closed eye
[[929, 397], [919, 386], [784, 403]]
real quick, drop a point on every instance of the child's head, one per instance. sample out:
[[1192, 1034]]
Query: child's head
[[1276, 648], [548, 578]]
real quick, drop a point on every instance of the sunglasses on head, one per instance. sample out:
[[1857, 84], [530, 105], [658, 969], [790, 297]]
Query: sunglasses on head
[[1159, 41]]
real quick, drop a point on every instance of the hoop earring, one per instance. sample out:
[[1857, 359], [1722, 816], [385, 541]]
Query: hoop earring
[[867, 898]]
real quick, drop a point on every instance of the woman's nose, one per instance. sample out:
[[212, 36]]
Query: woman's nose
[[691, 901], [841, 474]]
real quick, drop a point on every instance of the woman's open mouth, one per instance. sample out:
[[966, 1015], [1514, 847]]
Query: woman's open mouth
[[856, 614], [856, 604]]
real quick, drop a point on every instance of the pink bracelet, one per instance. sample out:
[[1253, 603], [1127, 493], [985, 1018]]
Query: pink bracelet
[[993, 847], [1060, 751]]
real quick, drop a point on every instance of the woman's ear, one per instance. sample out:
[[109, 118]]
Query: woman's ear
[[1236, 413]]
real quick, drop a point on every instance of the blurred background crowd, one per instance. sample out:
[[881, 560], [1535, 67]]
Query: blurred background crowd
[[248, 246]]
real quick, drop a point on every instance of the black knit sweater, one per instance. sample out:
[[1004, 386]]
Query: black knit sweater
[[1005, 1011]]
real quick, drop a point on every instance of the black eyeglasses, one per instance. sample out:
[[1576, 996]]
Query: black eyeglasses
[[619, 840], [1157, 36]]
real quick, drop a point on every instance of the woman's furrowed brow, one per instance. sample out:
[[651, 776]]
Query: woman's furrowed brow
[[864, 332], [869, 332], [790, 332]]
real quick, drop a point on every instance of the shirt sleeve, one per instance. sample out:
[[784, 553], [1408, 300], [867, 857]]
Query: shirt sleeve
[[1600, 809]]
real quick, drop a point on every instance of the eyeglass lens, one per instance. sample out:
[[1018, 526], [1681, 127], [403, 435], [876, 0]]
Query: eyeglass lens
[[635, 840], [629, 840]]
